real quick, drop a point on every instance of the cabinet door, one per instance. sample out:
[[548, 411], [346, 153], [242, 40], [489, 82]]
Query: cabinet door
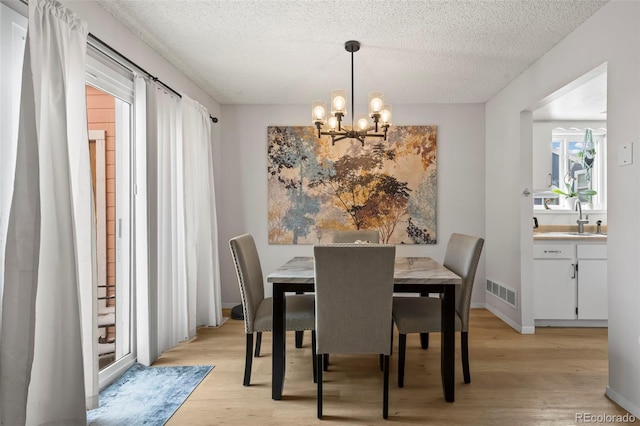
[[554, 293], [592, 289]]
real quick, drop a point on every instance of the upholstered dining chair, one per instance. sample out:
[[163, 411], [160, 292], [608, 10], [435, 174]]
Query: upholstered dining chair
[[351, 236], [422, 314], [258, 309], [354, 291]]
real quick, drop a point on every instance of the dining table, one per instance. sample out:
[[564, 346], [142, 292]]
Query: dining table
[[422, 275]]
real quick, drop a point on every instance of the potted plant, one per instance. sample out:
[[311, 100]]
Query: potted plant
[[571, 194], [588, 153]]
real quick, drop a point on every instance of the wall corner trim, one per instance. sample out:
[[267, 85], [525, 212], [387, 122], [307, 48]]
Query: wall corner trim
[[623, 402]]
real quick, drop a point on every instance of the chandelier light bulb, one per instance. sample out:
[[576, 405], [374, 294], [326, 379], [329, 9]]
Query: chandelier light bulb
[[333, 123], [338, 102], [375, 102], [385, 115], [318, 111], [363, 123]]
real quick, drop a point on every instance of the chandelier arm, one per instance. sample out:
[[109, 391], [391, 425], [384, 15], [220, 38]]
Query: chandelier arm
[[345, 134], [377, 131], [336, 139], [372, 135]]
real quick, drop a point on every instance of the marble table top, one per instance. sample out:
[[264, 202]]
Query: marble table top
[[408, 270]]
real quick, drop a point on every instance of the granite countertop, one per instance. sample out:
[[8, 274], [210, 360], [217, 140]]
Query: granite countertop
[[569, 232]]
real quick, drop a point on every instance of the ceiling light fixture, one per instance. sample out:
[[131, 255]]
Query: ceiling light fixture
[[378, 111]]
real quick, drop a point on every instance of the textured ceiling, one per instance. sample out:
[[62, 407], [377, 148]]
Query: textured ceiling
[[292, 51]]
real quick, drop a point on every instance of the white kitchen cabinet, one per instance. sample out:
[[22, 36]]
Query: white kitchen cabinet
[[570, 283], [554, 277], [592, 279]]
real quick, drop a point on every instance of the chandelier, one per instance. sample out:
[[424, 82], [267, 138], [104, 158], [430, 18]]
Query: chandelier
[[378, 112]]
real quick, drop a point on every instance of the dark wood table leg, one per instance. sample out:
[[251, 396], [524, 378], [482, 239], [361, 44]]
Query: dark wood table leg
[[447, 366], [299, 334], [424, 340], [424, 337], [279, 342]]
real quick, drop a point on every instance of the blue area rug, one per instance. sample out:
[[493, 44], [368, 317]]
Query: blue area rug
[[146, 395]]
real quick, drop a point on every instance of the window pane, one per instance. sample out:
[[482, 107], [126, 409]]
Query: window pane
[[566, 163], [555, 169]]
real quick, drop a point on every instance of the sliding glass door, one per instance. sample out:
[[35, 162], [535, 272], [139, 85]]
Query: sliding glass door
[[110, 98]]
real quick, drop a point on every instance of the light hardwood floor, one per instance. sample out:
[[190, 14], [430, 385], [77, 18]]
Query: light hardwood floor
[[541, 379]]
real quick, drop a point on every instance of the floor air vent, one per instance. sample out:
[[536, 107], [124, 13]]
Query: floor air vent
[[506, 294]]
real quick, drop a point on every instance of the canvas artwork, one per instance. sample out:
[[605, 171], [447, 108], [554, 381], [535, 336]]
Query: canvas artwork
[[316, 188]]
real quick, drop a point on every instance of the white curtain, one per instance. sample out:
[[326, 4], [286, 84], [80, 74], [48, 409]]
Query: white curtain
[[183, 258], [13, 30], [49, 259], [143, 299], [171, 253], [203, 278]]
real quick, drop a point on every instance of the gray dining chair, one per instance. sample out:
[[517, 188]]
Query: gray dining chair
[[422, 314], [351, 236], [258, 309], [354, 291]]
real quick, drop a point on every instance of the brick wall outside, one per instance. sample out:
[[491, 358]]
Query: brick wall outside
[[101, 116]]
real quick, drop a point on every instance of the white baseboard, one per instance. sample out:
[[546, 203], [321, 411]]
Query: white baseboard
[[517, 327], [511, 323], [572, 323], [230, 305], [623, 402]]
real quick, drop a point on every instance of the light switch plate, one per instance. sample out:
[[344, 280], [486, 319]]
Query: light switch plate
[[625, 154]]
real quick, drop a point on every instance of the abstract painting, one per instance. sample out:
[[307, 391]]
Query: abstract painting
[[316, 188]]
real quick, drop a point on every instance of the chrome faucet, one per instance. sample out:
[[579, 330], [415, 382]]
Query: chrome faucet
[[580, 221]]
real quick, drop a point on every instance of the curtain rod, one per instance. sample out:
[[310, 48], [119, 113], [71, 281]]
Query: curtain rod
[[110, 51]]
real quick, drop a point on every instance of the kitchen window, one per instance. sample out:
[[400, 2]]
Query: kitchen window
[[567, 166]]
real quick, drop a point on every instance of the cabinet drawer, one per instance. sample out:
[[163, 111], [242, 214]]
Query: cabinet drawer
[[592, 251], [553, 251]]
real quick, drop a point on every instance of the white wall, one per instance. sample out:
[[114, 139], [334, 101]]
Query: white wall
[[542, 134], [612, 35], [243, 192]]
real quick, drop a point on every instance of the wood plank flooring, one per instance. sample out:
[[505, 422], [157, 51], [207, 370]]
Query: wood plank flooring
[[541, 379]]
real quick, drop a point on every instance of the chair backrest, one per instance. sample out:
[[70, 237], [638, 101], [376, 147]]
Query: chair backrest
[[354, 292], [462, 257], [370, 235], [250, 279]]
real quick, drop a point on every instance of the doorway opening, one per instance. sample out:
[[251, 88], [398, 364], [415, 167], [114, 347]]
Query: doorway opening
[[562, 128]]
